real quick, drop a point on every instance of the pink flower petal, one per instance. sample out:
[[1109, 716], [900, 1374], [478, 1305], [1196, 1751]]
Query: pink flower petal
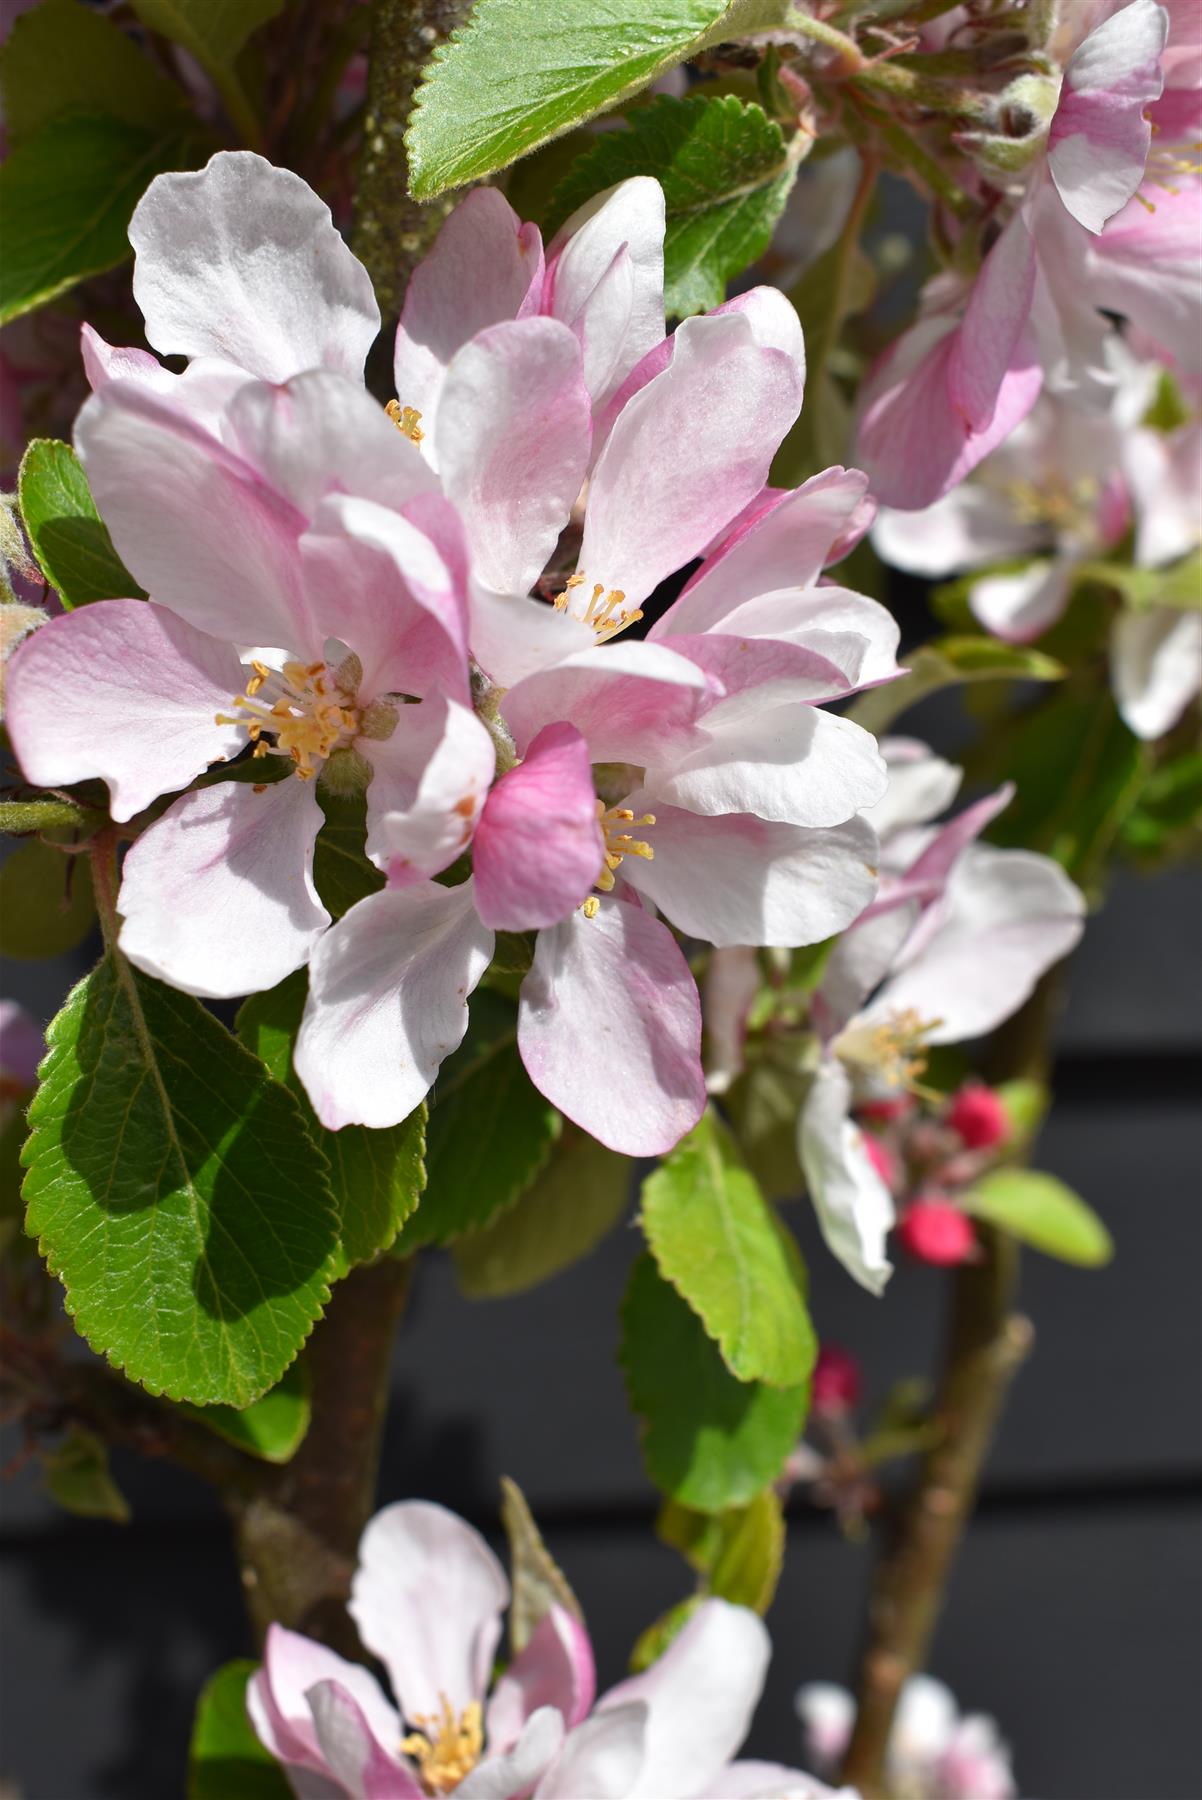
[[854, 1207], [632, 702], [515, 1773], [987, 345], [387, 1002], [217, 897], [126, 691], [1099, 137], [485, 266], [554, 1669], [429, 781], [601, 1758], [512, 438], [513, 635], [353, 1754], [538, 847], [609, 1028], [292, 1666], [427, 1598], [1022, 606], [617, 320], [242, 261]]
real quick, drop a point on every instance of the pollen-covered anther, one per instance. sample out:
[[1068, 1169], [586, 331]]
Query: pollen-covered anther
[[894, 1050], [407, 420], [619, 843], [302, 707], [447, 1748], [604, 610]]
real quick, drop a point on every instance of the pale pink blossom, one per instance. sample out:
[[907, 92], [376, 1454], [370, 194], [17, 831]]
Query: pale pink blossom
[[955, 941], [935, 1752]]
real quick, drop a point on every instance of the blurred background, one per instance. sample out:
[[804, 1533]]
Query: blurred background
[[1075, 1613]]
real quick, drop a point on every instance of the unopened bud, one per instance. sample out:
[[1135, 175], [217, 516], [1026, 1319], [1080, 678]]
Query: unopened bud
[[886, 1112], [979, 1117], [935, 1231], [837, 1381]]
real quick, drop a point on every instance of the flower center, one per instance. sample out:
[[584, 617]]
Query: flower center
[[1054, 503], [604, 611], [407, 420], [619, 843], [446, 1749], [894, 1051], [1165, 164], [303, 710]]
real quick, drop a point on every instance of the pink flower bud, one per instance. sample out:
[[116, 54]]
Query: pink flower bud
[[882, 1159], [837, 1380], [935, 1231], [885, 1112], [979, 1117]]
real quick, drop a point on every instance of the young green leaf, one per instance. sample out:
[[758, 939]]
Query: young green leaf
[[946, 663], [76, 1474], [66, 195], [214, 31], [1041, 1211], [64, 57], [226, 1761], [72, 545], [490, 1130], [273, 1426], [515, 75], [651, 1644], [715, 1238], [569, 1207], [538, 1581], [739, 1553], [726, 174], [709, 1441], [377, 1177], [46, 905], [175, 1193]]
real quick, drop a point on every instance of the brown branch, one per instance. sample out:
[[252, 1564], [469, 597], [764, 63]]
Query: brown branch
[[391, 230]]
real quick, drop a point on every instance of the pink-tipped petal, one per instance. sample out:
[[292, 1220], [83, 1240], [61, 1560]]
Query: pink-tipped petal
[[217, 897], [538, 847], [126, 691], [242, 261], [632, 702], [988, 339], [429, 781], [512, 436], [427, 1598], [555, 1668], [1099, 137], [609, 1028], [363, 1766], [854, 1206], [686, 454], [700, 1696], [618, 319], [737, 879], [388, 1001], [292, 1666], [485, 266]]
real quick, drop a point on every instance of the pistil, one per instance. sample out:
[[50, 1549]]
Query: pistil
[[299, 711]]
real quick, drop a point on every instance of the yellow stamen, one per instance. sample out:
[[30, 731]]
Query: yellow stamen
[[302, 707], [446, 1749], [894, 1050], [619, 843], [407, 420], [603, 611]]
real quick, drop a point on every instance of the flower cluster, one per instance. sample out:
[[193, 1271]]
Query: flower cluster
[[389, 600], [935, 1751]]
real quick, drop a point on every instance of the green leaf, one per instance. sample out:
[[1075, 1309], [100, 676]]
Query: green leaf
[[175, 1193], [66, 195], [376, 1177], [226, 1761], [538, 1581], [725, 172], [20, 817], [490, 1130], [273, 1426], [72, 545], [838, 284], [709, 1441], [576, 1200], [764, 1105], [739, 1553], [64, 57], [1179, 585], [1041, 1211], [214, 31], [1025, 1103], [46, 905], [513, 76], [715, 1238], [651, 1644], [341, 870], [1167, 817], [76, 1474], [946, 663]]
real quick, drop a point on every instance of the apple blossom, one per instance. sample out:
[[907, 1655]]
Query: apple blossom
[[935, 1752], [955, 941]]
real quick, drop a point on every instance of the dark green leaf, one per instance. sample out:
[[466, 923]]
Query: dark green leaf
[[763, 1105], [709, 1441], [226, 1761], [579, 1196], [66, 195], [340, 866], [718, 1242], [514, 76], [725, 172], [376, 1176], [213, 30], [72, 546], [76, 1474], [1167, 817], [1042, 1212], [538, 1581], [46, 904], [946, 663], [490, 1130], [273, 1426], [64, 57], [175, 1193]]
